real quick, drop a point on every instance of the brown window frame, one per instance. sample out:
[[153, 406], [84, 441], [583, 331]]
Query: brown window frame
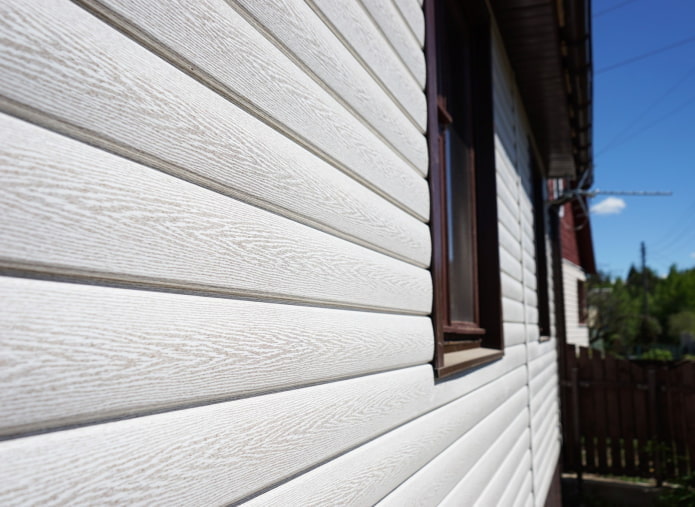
[[540, 228], [463, 345]]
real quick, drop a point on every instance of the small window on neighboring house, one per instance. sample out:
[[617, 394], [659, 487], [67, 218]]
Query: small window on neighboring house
[[583, 310], [465, 262]]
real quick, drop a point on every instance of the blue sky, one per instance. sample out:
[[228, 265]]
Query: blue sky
[[644, 133]]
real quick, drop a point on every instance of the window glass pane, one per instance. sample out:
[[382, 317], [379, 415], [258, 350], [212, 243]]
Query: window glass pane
[[461, 256]]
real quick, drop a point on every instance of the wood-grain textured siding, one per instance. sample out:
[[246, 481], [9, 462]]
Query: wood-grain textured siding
[[212, 454], [238, 64], [200, 218], [134, 103], [163, 230], [296, 28], [368, 43], [109, 352], [213, 261], [513, 153], [367, 474]]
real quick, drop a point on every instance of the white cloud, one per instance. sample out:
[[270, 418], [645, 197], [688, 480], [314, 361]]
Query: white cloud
[[692, 255], [609, 206]]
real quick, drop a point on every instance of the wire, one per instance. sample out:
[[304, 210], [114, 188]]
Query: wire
[[684, 217], [646, 55], [612, 8], [650, 125], [634, 123]]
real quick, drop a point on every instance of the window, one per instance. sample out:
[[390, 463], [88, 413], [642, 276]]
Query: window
[[540, 197], [582, 311], [465, 258]]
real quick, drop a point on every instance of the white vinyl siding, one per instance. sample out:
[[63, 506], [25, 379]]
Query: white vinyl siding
[[214, 254], [577, 333]]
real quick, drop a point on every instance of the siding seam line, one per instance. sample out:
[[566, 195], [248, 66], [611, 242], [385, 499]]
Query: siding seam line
[[190, 69], [256, 24], [359, 58], [203, 403], [395, 50], [101, 142]]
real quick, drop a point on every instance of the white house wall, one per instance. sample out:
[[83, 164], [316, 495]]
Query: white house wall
[[577, 334], [214, 250]]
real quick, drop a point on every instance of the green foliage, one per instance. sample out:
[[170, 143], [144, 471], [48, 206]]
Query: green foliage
[[617, 309], [682, 495], [658, 355], [681, 323]]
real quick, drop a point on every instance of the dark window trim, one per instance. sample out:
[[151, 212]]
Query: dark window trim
[[540, 219], [582, 307], [487, 339]]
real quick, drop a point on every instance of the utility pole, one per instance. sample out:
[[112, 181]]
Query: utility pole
[[645, 317], [644, 279]]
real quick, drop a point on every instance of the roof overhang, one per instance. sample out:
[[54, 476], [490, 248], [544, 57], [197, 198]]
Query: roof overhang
[[549, 45]]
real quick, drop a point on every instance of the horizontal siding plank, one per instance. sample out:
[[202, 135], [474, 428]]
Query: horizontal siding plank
[[516, 481], [530, 295], [452, 389], [544, 462], [510, 265], [354, 25], [505, 167], [505, 131], [512, 311], [545, 422], [541, 355], [101, 87], [509, 232], [506, 196], [224, 50], [514, 334], [514, 460], [511, 288], [297, 28], [413, 15], [366, 474], [509, 216], [533, 332], [64, 212], [210, 454], [76, 353], [540, 380], [543, 405], [431, 484], [524, 497], [471, 486], [544, 438], [544, 476], [399, 34]]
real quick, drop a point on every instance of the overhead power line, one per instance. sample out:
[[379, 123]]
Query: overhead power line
[[646, 55], [629, 130], [612, 8], [651, 124]]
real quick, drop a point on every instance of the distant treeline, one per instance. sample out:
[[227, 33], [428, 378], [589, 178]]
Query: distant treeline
[[644, 315]]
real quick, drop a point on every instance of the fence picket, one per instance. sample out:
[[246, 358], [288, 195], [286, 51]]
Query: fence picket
[[613, 422], [600, 410]]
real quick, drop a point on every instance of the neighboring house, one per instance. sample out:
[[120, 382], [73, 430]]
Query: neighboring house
[[227, 278], [577, 262]]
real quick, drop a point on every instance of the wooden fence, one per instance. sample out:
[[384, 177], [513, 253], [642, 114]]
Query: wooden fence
[[628, 418]]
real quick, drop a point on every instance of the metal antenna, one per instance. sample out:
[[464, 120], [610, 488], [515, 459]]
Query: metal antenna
[[581, 194]]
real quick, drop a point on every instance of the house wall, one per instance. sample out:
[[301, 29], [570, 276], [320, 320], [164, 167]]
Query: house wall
[[577, 334], [214, 253]]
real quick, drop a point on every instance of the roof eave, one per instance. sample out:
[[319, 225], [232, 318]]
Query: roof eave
[[549, 45]]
